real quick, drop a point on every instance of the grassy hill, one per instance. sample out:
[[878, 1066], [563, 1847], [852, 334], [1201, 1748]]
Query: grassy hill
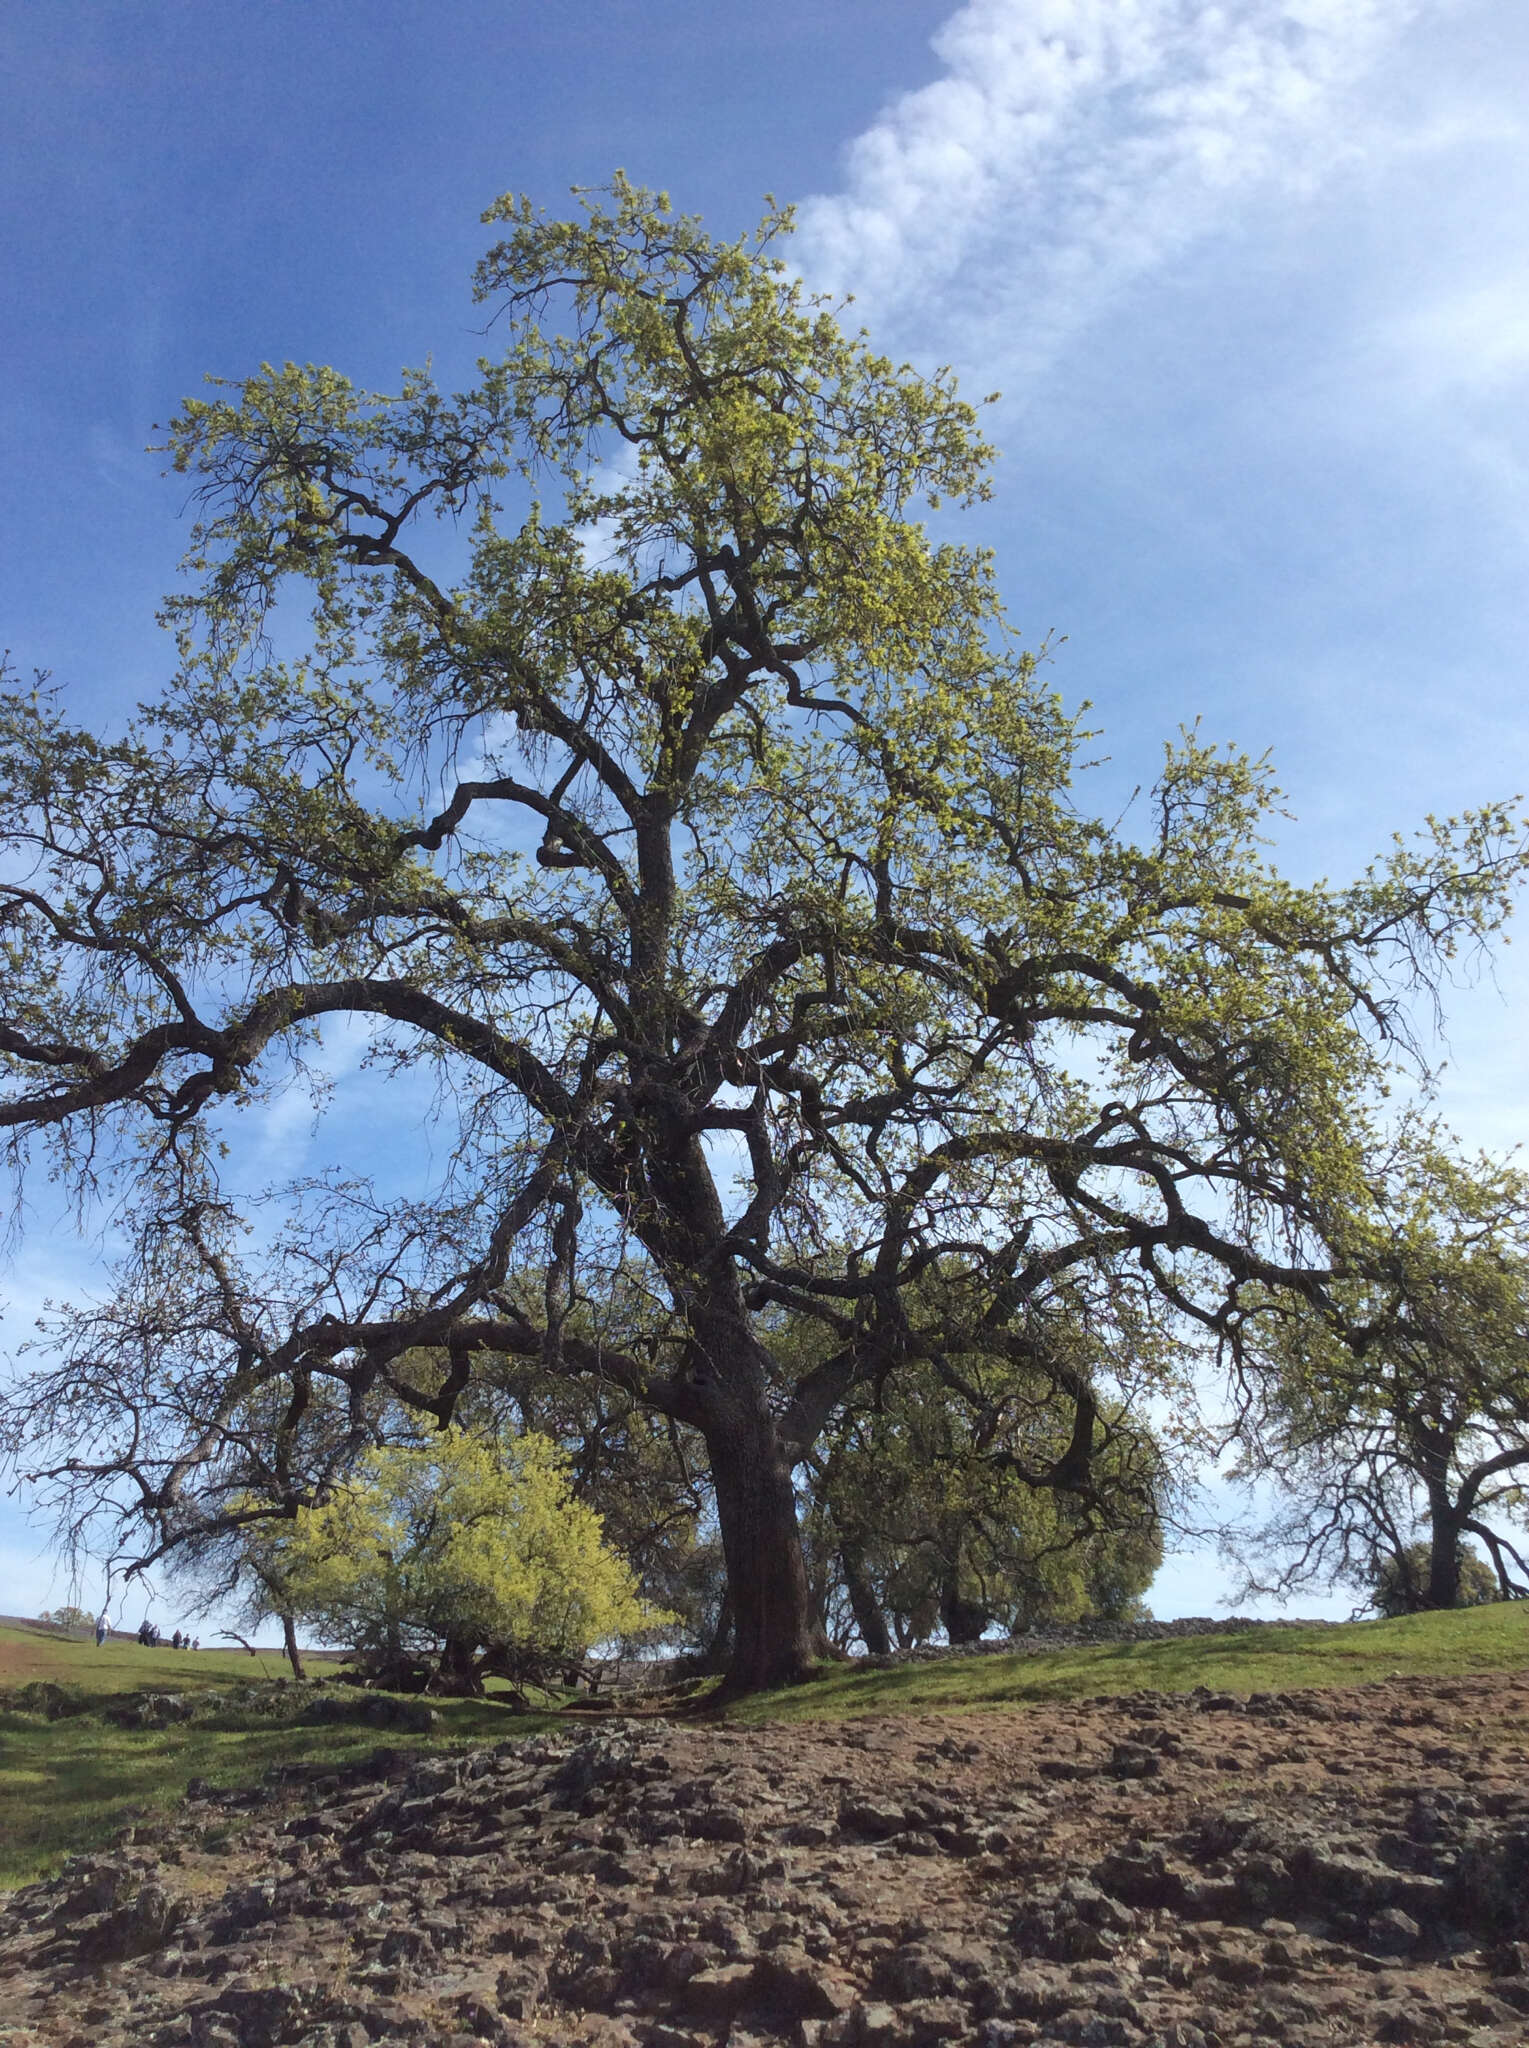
[[72, 1781], [30, 1651], [1256, 1659], [71, 1777]]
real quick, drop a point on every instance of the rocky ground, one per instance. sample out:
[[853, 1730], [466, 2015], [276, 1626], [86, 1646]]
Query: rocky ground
[[1191, 1872]]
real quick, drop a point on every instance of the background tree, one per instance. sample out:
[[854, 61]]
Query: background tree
[[926, 1520], [70, 1618], [1401, 1581], [1403, 1402], [636, 1472], [240, 1570], [451, 1550], [645, 1475], [702, 833]]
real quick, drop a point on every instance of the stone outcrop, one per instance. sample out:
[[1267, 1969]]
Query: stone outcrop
[[1146, 1872]]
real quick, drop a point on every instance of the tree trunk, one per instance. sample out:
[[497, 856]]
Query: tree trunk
[[1443, 1550], [775, 1641], [728, 1372], [289, 1644], [964, 1620], [869, 1619], [457, 1674], [720, 1647]]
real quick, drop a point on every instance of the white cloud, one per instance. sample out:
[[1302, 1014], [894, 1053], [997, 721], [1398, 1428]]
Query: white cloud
[[286, 1125], [1475, 337], [1073, 145]]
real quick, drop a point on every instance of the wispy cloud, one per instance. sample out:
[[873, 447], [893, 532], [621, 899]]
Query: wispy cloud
[[287, 1124], [1475, 336], [1072, 145]]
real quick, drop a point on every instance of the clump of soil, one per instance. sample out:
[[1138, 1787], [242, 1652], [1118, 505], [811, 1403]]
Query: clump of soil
[[1149, 1871]]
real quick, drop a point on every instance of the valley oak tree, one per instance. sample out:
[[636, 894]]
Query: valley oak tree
[[1401, 1404], [655, 782]]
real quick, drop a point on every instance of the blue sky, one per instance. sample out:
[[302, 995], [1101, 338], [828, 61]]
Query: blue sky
[[1253, 279]]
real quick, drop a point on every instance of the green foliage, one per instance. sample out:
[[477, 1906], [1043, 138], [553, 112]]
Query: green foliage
[[1399, 1397], [458, 1541], [709, 800], [937, 1495], [982, 1484], [1400, 1585], [646, 1477], [67, 1618]]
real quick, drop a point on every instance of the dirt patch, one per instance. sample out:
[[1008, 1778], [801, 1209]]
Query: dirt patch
[[32, 1656], [1190, 1872]]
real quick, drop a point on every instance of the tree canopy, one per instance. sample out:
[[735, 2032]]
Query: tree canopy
[[442, 1550], [1401, 1584], [928, 1505], [1402, 1400], [655, 778]]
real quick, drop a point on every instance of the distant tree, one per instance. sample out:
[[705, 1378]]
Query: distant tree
[[1401, 1583], [1401, 1400], [645, 1474], [67, 1618], [453, 1553], [694, 822], [927, 1513]]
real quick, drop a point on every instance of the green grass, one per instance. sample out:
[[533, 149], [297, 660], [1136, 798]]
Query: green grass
[[70, 1784], [1256, 1659], [32, 1651]]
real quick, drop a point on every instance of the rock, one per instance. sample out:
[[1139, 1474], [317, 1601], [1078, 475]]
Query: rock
[[875, 2026], [261, 2015], [789, 1982], [1037, 1993], [658, 1886], [53, 1701], [1096, 2030], [1074, 1922], [518, 1990], [211, 2030], [1141, 1877], [1393, 1932], [927, 2020], [1489, 1888], [876, 1818], [912, 1972], [718, 1994], [717, 1824], [149, 1710], [1134, 1760], [143, 1921], [1237, 1967], [808, 1834]]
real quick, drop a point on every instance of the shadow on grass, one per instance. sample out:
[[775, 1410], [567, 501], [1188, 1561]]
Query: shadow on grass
[[70, 1785]]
